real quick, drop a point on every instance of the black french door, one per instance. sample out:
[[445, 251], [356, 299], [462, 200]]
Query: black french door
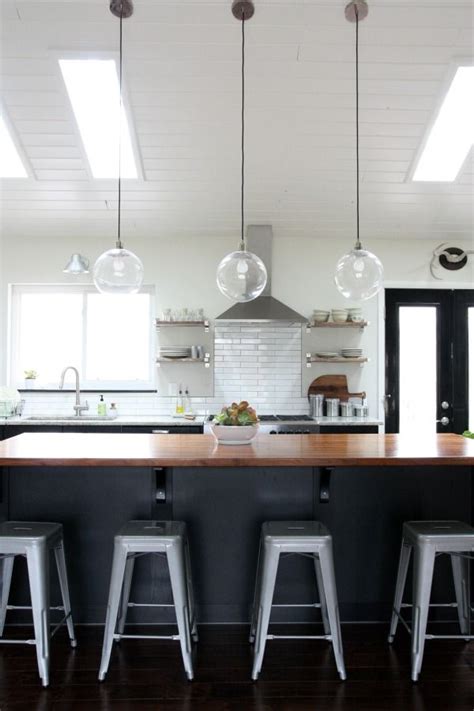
[[429, 360]]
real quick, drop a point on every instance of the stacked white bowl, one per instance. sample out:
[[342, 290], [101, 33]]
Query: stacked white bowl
[[339, 315]]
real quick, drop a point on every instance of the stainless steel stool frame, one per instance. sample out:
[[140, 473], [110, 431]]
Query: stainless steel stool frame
[[430, 539], [310, 539], [34, 541], [135, 539]]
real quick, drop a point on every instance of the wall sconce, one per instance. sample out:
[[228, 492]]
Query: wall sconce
[[77, 265]]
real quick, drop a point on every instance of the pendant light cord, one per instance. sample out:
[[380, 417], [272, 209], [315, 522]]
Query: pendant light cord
[[119, 241], [242, 144], [358, 244]]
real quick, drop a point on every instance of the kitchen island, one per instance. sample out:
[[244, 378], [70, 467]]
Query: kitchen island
[[361, 486]]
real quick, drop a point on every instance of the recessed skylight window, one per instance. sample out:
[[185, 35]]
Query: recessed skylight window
[[11, 165], [452, 135], [93, 88]]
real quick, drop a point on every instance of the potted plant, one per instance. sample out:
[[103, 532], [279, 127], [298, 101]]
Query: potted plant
[[236, 424], [30, 379]]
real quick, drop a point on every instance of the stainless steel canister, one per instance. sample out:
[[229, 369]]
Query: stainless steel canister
[[316, 403], [347, 409], [332, 406], [361, 410]]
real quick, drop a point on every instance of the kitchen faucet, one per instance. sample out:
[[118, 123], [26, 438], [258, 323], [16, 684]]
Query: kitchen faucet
[[78, 407]]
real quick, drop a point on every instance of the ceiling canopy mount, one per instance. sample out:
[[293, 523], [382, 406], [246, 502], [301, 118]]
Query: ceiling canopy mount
[[121, 8], [243, 9]]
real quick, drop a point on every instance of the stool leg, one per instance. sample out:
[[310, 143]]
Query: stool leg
[[256, 596], [116, 582], [63, 584], [189, 580], [329, 583], [176, 563], [322, 596], [460, 568], [271, 556], [422, 579], [37, 558], [125, 599], [7, 570], [403, 562]]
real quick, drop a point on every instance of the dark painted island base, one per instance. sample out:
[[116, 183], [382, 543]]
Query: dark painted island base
[[224, 509], [296, 676]]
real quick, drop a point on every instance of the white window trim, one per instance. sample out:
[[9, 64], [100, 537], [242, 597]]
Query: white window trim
[[14, 318]]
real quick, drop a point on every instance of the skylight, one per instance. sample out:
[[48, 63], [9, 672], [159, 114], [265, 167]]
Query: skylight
[[93, 88], [11, 165], [452, 134]]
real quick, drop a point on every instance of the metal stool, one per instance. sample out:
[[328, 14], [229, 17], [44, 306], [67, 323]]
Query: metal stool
[[138, 538], [35, 541], [309, 538], [430, 539]]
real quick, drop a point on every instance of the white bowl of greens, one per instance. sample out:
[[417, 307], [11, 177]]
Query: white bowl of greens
[[236, 424]]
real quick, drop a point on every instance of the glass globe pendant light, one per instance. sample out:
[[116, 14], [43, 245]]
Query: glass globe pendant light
[[359, 274], [119, 271], [241, 275]]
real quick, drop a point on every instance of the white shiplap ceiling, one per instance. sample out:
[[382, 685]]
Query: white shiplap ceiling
[[182, 71]]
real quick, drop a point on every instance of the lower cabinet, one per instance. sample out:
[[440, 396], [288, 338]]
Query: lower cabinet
[[11, 430]]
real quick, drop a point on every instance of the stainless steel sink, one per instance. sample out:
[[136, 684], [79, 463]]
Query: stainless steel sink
[[68, 418]]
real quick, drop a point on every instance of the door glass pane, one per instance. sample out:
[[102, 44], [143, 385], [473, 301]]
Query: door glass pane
[[470, 367], [418, 381]]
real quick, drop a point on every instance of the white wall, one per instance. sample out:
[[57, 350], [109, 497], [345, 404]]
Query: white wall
[[183, 272]]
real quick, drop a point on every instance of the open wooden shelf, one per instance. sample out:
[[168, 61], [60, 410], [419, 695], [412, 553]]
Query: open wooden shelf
[[333, 324], [180, 324], [163, 359], [338, 359]]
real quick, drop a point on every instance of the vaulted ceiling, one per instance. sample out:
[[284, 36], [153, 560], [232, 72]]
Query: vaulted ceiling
[[182, 73]]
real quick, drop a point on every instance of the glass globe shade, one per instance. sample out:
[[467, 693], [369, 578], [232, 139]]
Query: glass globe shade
[[118, 271], [359, 275], [241, 276]]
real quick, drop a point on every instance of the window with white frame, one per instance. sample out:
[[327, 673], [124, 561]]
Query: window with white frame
[[109, 338]]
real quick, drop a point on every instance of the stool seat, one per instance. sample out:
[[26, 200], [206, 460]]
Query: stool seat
[[310, 538], [35, 540], [152, 532], [289, 531], [436, 531], [137, 538], [30, 531], [429, 539]]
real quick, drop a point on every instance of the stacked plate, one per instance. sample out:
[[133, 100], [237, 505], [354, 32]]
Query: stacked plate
[[326, 354], [175, 352], [351, 352]]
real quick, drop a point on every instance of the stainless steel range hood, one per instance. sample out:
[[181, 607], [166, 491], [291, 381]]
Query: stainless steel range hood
[[265, 308]]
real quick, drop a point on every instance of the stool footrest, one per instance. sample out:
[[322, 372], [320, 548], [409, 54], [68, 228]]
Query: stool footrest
[[17, 641], [434, 636], [432, 604], [28, 607], [173, 637], [299, 636], [149, 604], [309, 604]]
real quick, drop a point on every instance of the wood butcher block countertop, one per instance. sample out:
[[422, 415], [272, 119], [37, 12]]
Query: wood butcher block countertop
[[142, 450]]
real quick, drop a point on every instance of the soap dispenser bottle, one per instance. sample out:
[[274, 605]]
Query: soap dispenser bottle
[[179, 403], [101, 407]]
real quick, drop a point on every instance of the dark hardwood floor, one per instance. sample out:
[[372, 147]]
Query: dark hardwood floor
[[296, 675]]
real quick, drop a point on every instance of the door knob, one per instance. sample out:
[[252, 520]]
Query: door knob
[[443, 421], [444, 405]]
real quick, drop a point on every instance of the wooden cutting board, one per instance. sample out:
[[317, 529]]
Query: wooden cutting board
[[332, 386]]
